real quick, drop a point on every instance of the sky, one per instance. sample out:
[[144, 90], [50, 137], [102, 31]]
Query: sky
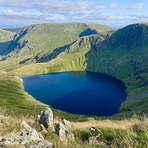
[[114, 13]]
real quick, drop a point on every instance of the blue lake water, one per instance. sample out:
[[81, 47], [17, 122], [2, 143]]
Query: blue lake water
[[86, 93]]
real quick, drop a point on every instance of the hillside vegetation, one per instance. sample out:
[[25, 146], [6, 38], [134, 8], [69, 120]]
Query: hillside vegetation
[[5, 39], [39, 40], [46, 48]]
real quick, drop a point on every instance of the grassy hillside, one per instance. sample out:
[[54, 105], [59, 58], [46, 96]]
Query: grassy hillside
[[12, 29], [43, 38], [99, 28], [5, 39], [126, 133]]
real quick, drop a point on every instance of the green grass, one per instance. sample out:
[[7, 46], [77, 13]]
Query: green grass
[[6, 35], [135, 135], [43, 38], [14, 100], [5, 39]]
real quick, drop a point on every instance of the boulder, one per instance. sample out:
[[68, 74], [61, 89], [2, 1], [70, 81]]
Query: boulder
[[46, 118]]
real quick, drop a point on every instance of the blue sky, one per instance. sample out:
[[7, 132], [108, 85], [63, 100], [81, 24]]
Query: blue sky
[[18, 13]]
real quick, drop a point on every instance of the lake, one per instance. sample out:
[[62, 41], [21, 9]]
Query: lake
[[87, 93]]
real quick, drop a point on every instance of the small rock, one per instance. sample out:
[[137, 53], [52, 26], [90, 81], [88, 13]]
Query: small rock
[[37, 120], [43, 130], [25, 125], [67, 124], [43, 144], [97, 137], [70, 136], [2, 117]]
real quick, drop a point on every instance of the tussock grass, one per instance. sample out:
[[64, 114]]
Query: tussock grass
[[134, 135], [114, 124]]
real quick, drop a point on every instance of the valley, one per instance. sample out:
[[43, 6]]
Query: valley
[[47, 48]]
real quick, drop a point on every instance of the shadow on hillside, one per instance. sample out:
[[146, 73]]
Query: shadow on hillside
[[4, 47], [95, 54], [53, 54], [87, 32]]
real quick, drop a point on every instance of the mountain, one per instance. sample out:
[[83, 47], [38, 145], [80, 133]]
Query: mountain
[[122, 53], [42, 38]]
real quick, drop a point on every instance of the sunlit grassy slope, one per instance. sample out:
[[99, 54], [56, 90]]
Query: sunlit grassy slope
[[39, 40], [5, 39]]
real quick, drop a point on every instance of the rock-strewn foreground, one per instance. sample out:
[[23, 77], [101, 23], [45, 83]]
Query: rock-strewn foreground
[[47, 132], [29, 137]]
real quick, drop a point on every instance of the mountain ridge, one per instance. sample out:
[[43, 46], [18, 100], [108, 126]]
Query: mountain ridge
[[52, 35]]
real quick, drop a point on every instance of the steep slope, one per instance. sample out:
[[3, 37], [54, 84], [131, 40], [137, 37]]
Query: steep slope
[[124, 55], [43, 38], [5, 39], [127, 48]]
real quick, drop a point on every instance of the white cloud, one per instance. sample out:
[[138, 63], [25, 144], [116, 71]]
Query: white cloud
[[114, 6], [136, 6], [27, 12], [57, 5]]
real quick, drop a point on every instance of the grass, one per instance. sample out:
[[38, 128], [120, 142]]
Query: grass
[[6, 35], [42, 38], [125, 133], [5, 38]]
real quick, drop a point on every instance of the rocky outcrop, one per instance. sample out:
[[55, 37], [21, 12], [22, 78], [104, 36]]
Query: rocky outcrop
[[61, 132], [46, 118], [64, 131], [97, 137], [23, 137], [27, 135], [69, 134]]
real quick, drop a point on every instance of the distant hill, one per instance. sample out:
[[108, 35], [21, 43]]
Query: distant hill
[[12, 29], [42, 38]]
